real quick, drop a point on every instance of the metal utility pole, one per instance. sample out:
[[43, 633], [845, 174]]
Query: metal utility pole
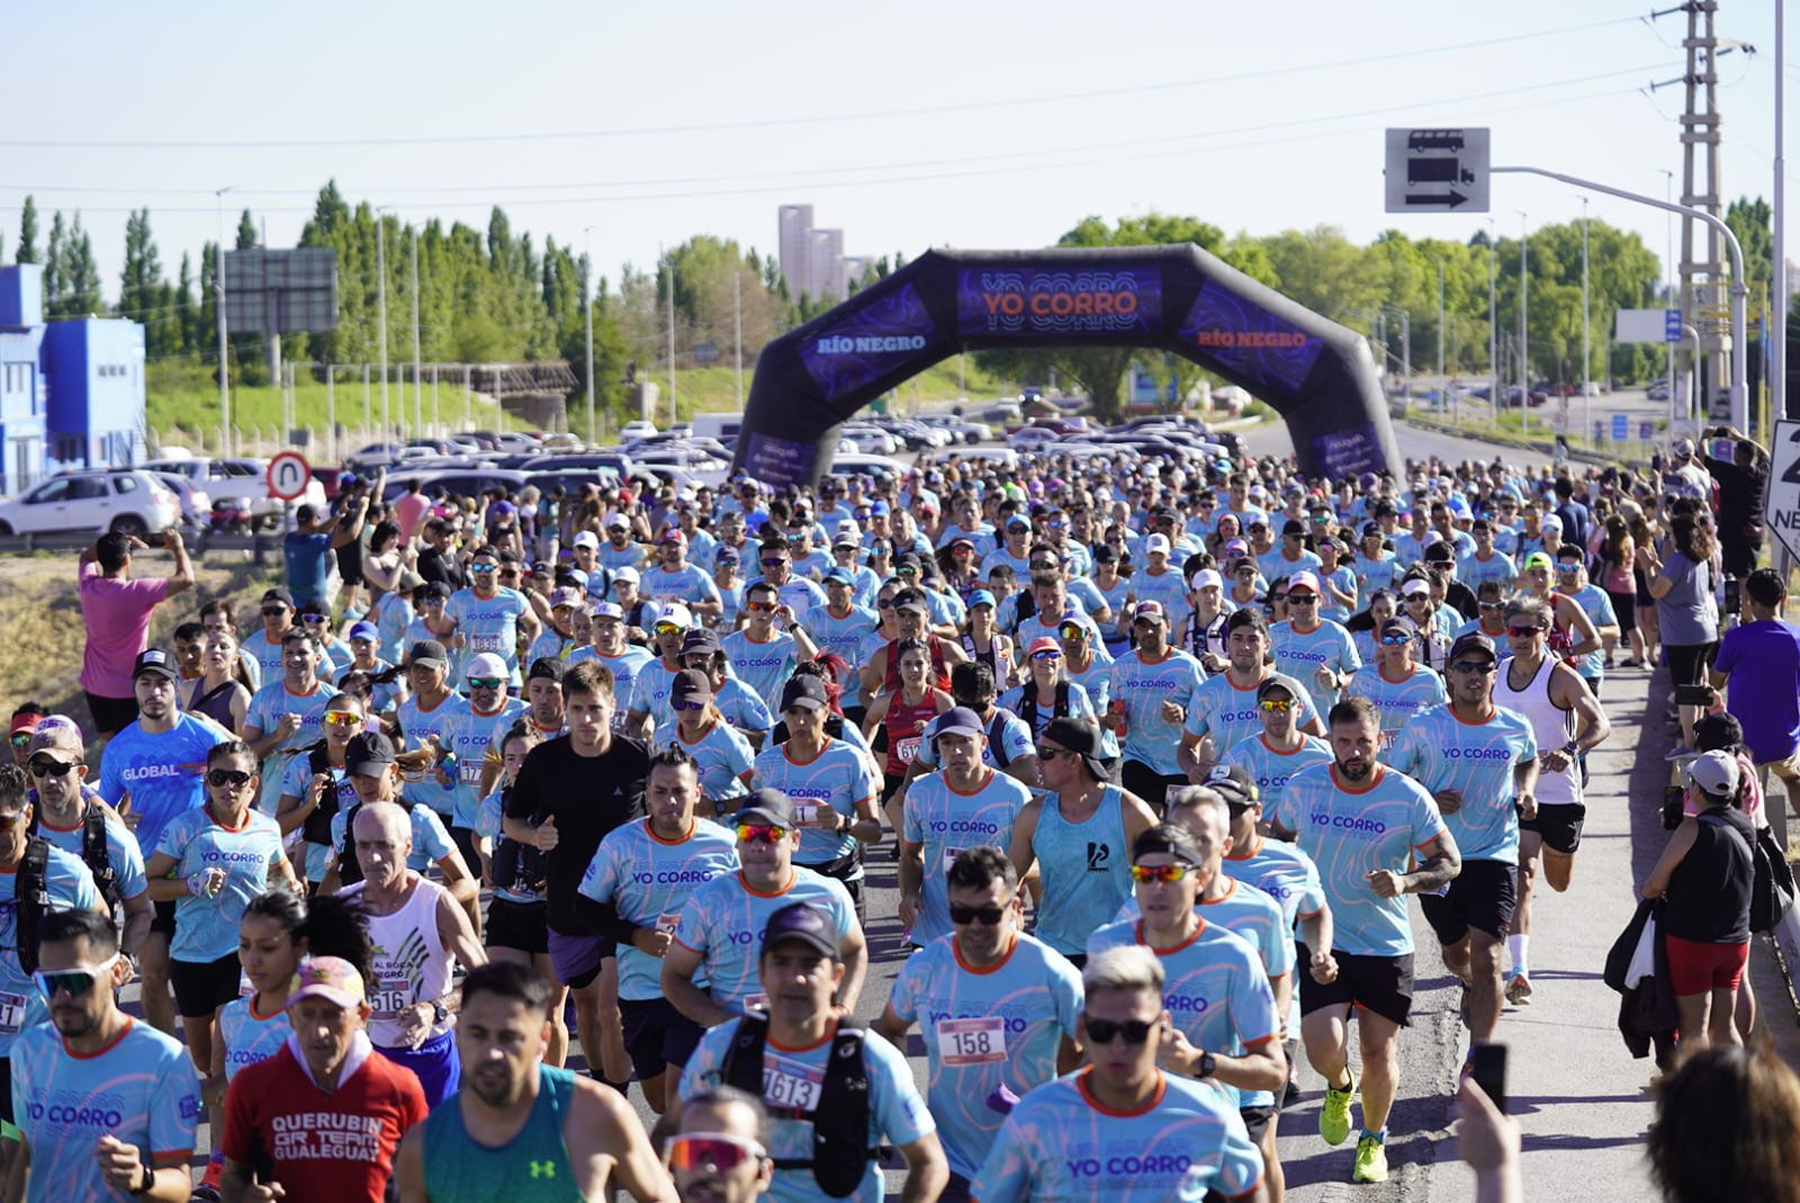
[[1443, 383], [1585, 361], [1703, 281], [418, 380], [737, 321], [1778, 403], [1493, 257], [1524, 345], [387, 429], [587, 306], [1673, 297], [669, 273], [219, 303]]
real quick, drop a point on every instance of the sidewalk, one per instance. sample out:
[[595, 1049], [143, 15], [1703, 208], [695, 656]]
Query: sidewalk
[[1578, 1095]]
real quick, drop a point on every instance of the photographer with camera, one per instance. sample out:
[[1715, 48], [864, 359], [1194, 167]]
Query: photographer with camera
[[1741, 470]]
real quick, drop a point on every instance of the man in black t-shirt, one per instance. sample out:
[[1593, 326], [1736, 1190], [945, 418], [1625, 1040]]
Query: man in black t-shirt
[[1743, 480], [571, 791]]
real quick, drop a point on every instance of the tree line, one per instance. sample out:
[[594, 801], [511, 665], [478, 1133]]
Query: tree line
[[495, 295]]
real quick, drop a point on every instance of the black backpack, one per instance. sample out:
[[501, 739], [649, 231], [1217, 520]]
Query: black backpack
[[348, 867], [1028, 707], [316, 828], [31, 901], [841, 1151], [95, 854]]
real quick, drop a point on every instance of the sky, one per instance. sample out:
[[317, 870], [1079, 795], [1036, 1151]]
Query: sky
[[627, 127]]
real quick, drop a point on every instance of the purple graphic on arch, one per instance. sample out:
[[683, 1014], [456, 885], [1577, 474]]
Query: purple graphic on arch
[[881, 337], [1249, 340], [779, 462], [1037, 301], [1349, 452]]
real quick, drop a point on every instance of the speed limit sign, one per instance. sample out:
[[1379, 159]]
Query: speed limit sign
[[287, 475]]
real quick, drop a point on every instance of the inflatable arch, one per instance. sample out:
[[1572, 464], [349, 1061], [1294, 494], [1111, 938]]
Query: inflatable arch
[[1317, 374]]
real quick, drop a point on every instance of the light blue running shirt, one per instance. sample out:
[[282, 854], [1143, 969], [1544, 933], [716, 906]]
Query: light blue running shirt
[[1397, 701], [1227, 711], [1086, 870], [838, 777], [206, 929], [1301, 654], [164, 774], [248, 1036], [983, 1030], [1143, 686], [1061, 1145], [71, 887], [946, 821], [1442, 751], [1351, 833], [723, 921], [649, 880], [1271, 769]]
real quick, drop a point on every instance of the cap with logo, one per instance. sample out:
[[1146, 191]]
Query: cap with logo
[[1156, 544], [155, 660], [1149, 609], [1305, 581], [609, 610], [58, 738], [802, 923], [1232, 783], [333, 979]]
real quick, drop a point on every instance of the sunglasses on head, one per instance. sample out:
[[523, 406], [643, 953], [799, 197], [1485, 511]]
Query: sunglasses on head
[[1174, 872], [224, 778], [1275, 705], [487, 682], [962, 916], [47, 767], [765, 833], [1135, 1031], [694, 1152], [76, 983], [345, 718]]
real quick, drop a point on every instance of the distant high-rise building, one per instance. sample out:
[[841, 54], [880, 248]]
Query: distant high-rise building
[[812, 260], [796, 248]]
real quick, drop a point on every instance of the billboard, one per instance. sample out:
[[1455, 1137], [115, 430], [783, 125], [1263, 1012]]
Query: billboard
[[281, 292]]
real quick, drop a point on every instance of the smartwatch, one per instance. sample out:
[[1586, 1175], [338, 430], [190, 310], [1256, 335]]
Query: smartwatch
[[1207, 1065], [1572, 748]]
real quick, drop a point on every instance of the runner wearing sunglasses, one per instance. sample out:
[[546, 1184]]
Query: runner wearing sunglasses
[[1396, 684], [138, 1140], [998, 1008], [318, 786], [772, 641], [1122, 1129], [468, 735], [715, 937], [68, 814], [210, 863], [1281, 748], [1312, 649], [286, 713], [1480, 763], [645, 872], [488, 616], [837, 1090], [1154, 687], [720, 1154]]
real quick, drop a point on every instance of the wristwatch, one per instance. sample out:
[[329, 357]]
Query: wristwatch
[[149, 1168], [1572, 748], [439, 1012], [1207, 1065]]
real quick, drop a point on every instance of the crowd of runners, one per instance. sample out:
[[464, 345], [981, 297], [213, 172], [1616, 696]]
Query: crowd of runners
[[1155, 751]]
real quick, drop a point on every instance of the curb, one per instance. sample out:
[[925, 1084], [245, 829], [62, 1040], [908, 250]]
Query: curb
[[1503, 439]]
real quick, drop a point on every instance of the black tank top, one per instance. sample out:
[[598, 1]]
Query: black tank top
[[1709, 892]]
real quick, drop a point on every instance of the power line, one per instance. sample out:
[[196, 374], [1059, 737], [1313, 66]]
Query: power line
[[813, 119], [1178, 142]]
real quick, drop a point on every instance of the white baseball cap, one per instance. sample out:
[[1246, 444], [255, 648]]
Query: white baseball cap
[[487, 664]]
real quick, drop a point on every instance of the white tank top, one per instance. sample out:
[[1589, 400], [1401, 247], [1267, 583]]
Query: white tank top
[[411, 963], [1553, 727]]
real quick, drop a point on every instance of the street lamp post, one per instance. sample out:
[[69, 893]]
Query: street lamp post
[[418, 377], [1493, 257], [1582, 383], [387, 429], [1524, 345], [219, 305], [587, 306], [1443, 387]]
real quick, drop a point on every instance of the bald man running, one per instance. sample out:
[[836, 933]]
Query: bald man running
[[416, 927]]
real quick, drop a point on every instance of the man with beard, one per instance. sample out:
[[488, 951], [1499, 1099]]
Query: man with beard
[[322, 1118], [140, 1141], [1363, 824], [521, 1130]]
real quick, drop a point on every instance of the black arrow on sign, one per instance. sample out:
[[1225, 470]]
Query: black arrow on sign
[[1449, 200]]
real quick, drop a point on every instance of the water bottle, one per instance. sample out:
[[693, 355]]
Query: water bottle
[[447, 763]]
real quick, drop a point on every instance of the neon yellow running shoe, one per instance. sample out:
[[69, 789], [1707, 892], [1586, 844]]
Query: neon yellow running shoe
[[1371, 1160], [1334, 1117]]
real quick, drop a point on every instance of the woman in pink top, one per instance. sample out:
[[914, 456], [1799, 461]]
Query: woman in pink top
[[116, 611]]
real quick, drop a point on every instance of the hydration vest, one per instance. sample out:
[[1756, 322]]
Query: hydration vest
[[1028, 706], [841, 1151], [95, 854], [31, 900]]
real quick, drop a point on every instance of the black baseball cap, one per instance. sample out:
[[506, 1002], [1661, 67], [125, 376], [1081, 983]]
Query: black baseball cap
[[279, 595], [690, 685], [155, 660], [1233, 784], [368, 754], [545, 668], [428, 652], [806, 692], [702, 640], [766, 806], [1293, 527], [804, 923], [1081, 736], [1474, 641]]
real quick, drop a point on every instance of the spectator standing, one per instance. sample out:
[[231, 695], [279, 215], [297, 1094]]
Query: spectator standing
[[1759, 664], [115, 609], [1682, 586], [1743, 481], [308, 550]]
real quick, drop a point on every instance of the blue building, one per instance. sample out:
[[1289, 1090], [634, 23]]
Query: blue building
[[71, 392]]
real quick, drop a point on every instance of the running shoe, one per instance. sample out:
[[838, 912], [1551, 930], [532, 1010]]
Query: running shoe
[[1518, 991], [1371, 1160], [1681, 752], [1334, 1117]]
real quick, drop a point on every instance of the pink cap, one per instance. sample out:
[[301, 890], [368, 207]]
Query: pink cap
[[331, 978], [1303, 580]]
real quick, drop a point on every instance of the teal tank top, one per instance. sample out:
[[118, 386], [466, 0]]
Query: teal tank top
[[1086, 869], [532, 1167]]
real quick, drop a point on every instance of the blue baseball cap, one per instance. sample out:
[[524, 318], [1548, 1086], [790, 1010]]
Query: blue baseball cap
[[365, 630], [837, 576], [878, 507], [981, 597]]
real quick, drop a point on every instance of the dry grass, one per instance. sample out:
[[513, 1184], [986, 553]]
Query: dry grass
[[40, 619]]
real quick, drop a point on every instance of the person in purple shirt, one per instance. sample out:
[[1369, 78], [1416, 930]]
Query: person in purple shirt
[[115, 609], [1761, 660]]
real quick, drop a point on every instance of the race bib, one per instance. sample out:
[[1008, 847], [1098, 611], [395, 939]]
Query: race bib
[[950, 855], [975, 1041], [757, 1002], [907, 749], [485, 643], [393, 996], [790, 1084], [1169, 795], [665, 600], [669, 922], [806, 811], [12, 1014]]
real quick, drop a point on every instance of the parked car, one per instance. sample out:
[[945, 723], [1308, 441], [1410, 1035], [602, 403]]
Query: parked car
[[1031, 438], [126, 501], [457, 481], [196, 503], [240, 474], [636, 430], [1658, 391]]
